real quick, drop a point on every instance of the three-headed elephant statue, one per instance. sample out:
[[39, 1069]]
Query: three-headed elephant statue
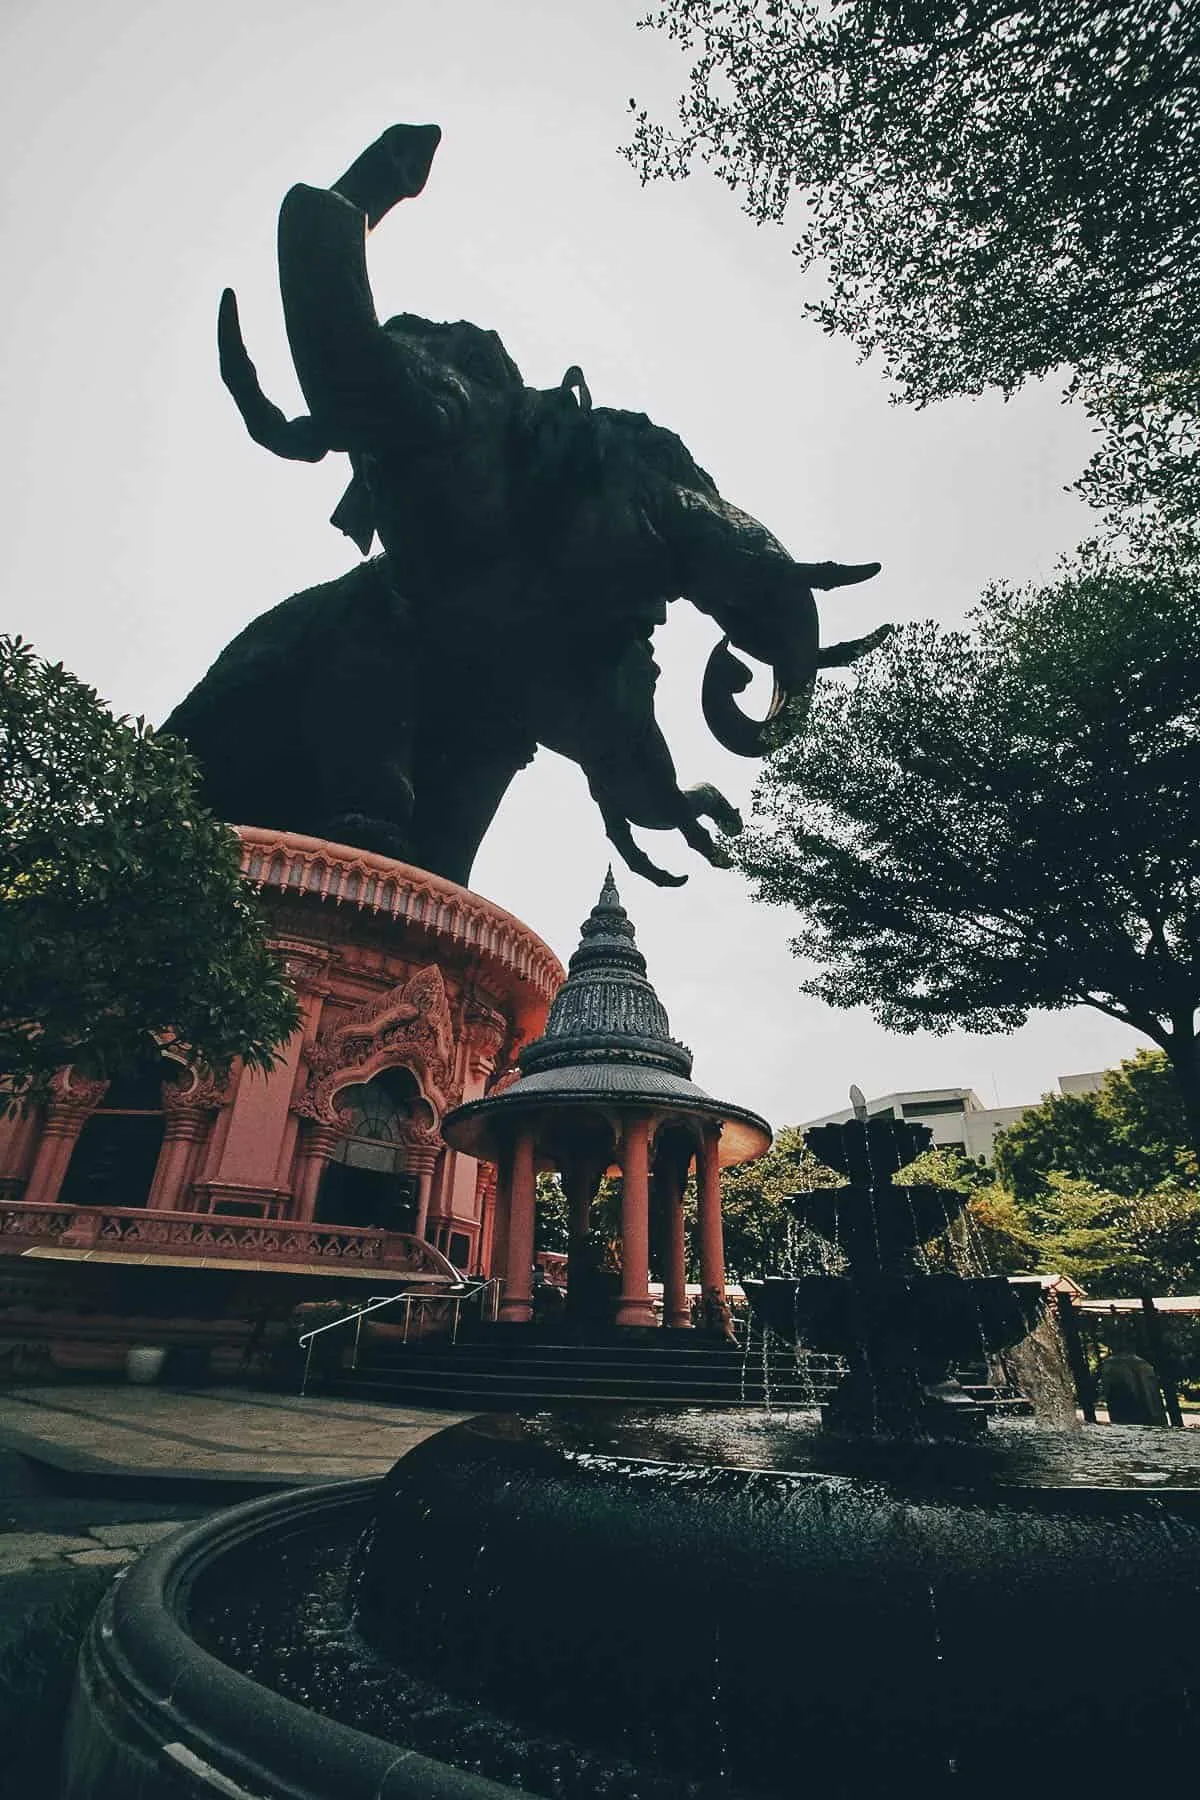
[[530, 544]]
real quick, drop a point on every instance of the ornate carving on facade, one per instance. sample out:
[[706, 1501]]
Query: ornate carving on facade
[[409, 1025], [197, 1090], [71, 1088], [486, 1031], [303, 963], [72, 1097], [378, 885]]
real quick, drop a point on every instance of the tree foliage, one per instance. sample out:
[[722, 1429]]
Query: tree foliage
[[1114, 1244], [979, 824], [761, 1236], [1129, 1137], [994, 189], [125, 927]]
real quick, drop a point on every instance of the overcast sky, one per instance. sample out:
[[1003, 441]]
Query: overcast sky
[[144, 148]]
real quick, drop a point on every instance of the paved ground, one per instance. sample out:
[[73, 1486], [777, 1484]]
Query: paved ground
[[89, 1475]]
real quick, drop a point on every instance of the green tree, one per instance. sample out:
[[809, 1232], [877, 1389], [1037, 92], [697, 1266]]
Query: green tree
[[125, 927], [1114, 1244], [761, 1236], [980, 824], [994, 189], [992, 192], [1130, 1136]]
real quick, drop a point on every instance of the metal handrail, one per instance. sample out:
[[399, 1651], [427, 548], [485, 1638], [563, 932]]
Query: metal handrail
[[457, 1295]]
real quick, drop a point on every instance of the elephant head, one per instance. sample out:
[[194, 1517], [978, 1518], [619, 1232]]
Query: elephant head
[[536, 538]]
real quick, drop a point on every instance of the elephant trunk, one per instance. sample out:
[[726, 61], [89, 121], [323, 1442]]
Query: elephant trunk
[[359, 384], [726, 675]]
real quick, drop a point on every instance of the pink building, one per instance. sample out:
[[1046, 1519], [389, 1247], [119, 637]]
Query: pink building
[[416, 994]]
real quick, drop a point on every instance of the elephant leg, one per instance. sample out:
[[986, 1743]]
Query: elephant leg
[[708, 802], [463, 767], [621, 838]]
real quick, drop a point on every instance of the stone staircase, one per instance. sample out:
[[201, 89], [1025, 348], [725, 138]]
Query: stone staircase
[[512, 1369]]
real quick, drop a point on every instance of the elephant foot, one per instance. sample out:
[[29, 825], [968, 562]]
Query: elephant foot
[[708, 847], [708, 802], [834, 575], [395, 167], [621, 838]]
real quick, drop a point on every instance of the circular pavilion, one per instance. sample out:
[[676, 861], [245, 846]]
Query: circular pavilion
[[606, 1089]]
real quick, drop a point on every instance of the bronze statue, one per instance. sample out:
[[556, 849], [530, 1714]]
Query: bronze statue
[[530, 544]]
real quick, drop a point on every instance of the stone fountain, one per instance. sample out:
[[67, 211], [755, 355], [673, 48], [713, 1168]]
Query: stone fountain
[[901, 1325]]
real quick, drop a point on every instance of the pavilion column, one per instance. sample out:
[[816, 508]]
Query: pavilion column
[[516, 1307], [672, 1178], [712, 1245], [580, 1178], [183, 1128], [316, 1150], [635, 1306], [485, 1206]]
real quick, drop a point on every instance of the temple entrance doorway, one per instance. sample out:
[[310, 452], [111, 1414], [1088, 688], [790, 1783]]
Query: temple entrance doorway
[[365, 1181]]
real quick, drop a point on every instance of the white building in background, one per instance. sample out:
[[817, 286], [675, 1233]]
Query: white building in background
[[957, 1116]]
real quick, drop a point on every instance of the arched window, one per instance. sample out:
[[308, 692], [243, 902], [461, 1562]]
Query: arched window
[[114, 1160], [365, 1182]]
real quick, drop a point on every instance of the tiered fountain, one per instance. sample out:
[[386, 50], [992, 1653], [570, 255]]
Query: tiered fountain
[[901, 1326]]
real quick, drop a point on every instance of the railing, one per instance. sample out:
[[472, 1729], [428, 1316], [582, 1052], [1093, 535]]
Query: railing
[[140, 1230], [487, 1292]]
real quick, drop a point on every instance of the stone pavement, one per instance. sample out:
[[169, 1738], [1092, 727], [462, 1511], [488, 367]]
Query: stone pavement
[[92, 1474], [219, 1434]]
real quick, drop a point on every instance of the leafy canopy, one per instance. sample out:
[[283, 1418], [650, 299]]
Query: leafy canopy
[[982, 823], [993, 190], [125, 927], [1129, 1137]]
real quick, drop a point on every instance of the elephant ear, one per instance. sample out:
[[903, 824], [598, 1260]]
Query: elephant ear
[[726, 675]]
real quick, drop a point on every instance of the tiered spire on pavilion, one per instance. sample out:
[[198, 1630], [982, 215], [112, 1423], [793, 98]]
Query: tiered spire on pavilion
[[606, 1088]]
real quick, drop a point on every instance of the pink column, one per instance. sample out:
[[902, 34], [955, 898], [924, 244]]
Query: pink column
[[18, 1132], [183, 1128], [486, 1203], [516, 1307], [712, 1245], [318, 1145], [61, 1127], [635, 1306], [421, 1163], [672, 1176]]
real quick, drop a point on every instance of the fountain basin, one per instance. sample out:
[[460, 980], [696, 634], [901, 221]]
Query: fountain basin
[[628, 1612], [155, 1716], [942, 1318]]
